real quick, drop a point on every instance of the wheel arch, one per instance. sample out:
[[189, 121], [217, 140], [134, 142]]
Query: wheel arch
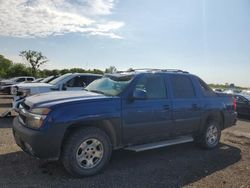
[[213, 116], [110, 127]]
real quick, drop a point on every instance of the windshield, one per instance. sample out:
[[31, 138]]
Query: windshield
[[37, 80], [13, 79], [55, 81], [247, 97], [45, 80], [110, 85]]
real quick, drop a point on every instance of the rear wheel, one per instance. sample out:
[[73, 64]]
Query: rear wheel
[[86, 152], [210, 136]]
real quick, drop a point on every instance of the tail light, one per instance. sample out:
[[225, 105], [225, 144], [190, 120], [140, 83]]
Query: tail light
[[235, 104]]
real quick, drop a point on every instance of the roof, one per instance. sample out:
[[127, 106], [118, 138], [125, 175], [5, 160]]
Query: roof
[[149, 70]]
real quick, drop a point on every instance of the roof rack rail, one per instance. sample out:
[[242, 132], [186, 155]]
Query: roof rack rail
[[162, 70]]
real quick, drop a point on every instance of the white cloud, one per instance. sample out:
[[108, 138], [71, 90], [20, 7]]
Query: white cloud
[[41, 18]]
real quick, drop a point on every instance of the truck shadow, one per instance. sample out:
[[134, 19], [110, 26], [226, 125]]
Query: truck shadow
[[244, 118], [6, 122], [173, 166]]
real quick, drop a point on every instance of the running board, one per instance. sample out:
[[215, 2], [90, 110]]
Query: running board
[[160, 144]]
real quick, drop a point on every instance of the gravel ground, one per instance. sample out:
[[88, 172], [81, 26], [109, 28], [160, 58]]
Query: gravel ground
[[183, 165]]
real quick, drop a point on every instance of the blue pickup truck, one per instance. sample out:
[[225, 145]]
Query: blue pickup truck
[[136, 110]]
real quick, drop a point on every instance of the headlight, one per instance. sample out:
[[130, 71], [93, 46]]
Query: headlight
[[36, 117], [40, 111]]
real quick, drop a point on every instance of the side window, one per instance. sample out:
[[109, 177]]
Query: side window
[[182, 86], [154, 85], [91, 79], [78, 81], [20, 80], [30, 79], [206, 90]]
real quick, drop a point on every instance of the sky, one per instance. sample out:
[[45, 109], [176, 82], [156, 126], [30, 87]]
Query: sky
[[209, 38]]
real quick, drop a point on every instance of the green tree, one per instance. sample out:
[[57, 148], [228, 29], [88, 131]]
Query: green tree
[[5, 64], [97, 71], [18, 69], [35, 59], [64, 71]]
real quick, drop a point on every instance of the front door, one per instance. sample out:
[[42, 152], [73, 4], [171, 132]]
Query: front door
[[147, 119]]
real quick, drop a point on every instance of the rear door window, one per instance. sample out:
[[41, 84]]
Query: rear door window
[[30, 79], [206, 90], [20, 80], [182, 87]]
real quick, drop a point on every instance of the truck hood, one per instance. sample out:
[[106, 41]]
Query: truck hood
[[59, 97], [32, 85]]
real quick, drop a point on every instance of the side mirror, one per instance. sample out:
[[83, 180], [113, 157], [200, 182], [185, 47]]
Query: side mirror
[[140, 94]]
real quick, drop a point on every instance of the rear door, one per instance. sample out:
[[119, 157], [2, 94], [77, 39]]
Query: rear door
[[186, 104], [151, 118]]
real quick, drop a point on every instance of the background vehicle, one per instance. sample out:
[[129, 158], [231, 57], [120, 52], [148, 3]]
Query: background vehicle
[[243, 104], [5, 85], [137, 111], [70, 82], [37, 80]]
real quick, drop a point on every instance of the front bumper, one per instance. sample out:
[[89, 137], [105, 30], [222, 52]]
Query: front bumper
[[44, 144]]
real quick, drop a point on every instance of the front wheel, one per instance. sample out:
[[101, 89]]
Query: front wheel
[[86, 152], [210, 136]]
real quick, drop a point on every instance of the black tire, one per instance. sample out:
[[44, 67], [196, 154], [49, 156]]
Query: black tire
[[72, 147], [204, 140]]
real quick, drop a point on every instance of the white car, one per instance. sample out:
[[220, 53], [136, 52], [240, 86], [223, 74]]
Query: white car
[[5, 85], [69, 82]]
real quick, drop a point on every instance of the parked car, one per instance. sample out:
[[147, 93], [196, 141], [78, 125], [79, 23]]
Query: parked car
[[13, 90], [49, 79], [218, 90], [70, 82], [246, 92], [37, 80], [5, 85], [243, 104], [136, 110], [232, 91]]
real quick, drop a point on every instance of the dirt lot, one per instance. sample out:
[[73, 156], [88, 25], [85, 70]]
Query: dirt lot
[[177, 166]]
